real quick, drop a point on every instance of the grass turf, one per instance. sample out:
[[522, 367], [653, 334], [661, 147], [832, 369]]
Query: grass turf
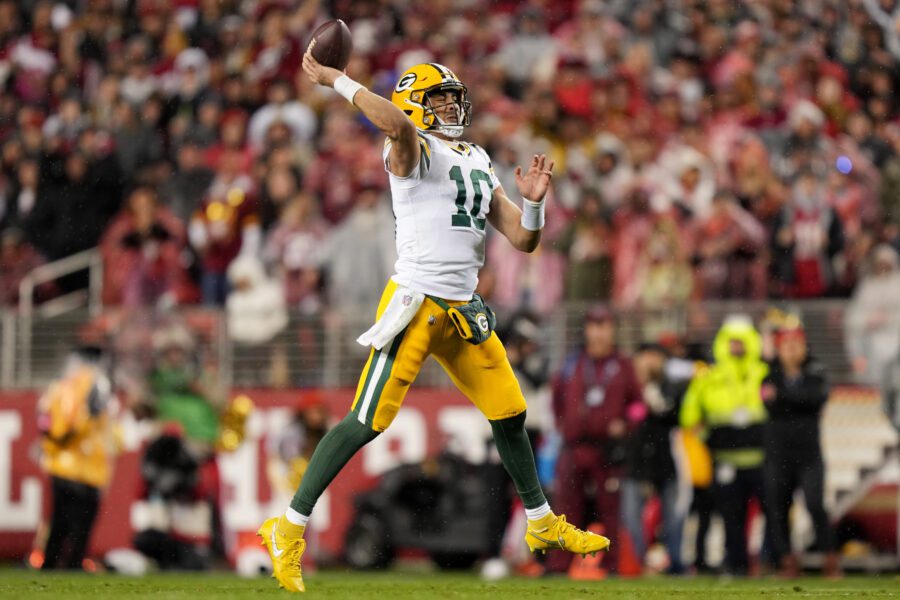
[[418, 586]]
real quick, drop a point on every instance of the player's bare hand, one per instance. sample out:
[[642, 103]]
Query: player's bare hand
[[319, 73], [533, 185]]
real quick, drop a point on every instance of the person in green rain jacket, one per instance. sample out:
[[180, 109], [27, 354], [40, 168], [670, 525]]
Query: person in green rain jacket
[[724, 403]]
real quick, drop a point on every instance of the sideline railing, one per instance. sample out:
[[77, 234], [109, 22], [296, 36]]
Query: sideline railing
[[319, 349]]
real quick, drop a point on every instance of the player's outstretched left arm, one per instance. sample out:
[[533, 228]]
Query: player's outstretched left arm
[[523, 227]]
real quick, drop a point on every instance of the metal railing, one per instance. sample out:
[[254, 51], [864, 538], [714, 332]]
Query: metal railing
[[21, 354], [319, 350]]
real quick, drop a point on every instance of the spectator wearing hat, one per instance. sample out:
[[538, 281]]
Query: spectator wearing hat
[[596, 401], [795, 392]]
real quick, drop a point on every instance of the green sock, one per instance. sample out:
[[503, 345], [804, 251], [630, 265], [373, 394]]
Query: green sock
[[333, 452], [515, 452]]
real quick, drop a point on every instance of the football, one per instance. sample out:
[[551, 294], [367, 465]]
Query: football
[[331, 44]]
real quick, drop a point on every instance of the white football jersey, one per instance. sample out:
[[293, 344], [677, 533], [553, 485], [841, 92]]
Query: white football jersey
[[440, 211]]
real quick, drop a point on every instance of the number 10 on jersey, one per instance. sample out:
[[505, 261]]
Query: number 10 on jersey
[[473, 216]]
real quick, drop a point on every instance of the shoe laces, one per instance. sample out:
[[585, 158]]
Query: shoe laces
[[562, 526], [293, 551]]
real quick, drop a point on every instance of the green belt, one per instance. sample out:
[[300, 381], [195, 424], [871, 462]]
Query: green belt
[[741, 459]]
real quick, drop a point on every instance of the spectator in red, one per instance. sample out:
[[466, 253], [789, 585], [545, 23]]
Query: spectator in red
[[596, 399], [232, 142], [807, 237], [345, 156], [226, 224], [142, 255], [731, 252], [573, 87], [277, 55]]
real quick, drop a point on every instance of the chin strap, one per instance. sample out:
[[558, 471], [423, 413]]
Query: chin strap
[[450, 131]]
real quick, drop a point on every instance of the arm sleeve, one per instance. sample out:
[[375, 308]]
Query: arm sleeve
[[495, 181], [419, 171]]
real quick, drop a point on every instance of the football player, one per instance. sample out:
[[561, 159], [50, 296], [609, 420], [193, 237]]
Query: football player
[[444, 192]]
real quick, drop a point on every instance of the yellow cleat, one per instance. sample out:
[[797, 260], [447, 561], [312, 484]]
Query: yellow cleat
[[553, 532], [285, 544]]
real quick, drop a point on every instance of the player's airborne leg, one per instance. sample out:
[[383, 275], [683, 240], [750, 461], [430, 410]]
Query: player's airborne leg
[[483, 373], [283, 536], [545, 530]]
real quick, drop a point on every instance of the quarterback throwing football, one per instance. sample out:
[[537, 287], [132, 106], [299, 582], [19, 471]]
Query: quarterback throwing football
[[444, 191]]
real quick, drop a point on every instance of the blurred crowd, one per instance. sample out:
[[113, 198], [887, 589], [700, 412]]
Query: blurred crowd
[[704, 149]]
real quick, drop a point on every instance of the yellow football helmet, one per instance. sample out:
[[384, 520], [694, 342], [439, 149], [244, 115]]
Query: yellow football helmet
[[411, 96]]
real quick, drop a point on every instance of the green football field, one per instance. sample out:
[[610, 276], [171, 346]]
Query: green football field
[[402, 586]]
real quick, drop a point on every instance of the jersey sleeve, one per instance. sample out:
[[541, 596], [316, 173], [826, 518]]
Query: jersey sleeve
[[495, 182], [420, 170]]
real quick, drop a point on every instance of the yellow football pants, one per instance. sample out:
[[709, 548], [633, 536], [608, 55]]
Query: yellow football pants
[[481, 372]]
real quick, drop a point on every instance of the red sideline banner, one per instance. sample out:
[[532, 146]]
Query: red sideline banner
[[428, 421]]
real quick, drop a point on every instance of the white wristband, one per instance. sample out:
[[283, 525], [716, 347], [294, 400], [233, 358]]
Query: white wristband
[[532, 215], [347, 88]]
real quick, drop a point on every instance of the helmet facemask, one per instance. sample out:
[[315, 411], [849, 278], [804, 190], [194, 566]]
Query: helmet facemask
[[463, 110]]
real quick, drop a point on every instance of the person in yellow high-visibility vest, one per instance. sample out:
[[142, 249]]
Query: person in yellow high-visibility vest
[[725, 404], [77, 447]]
